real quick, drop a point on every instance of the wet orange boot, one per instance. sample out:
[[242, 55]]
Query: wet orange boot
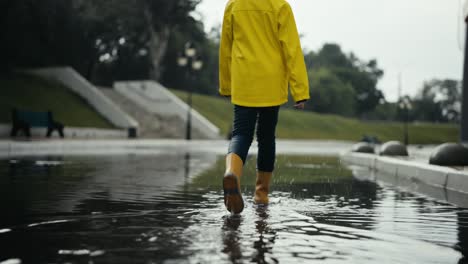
[[262, 187], [231, 184]]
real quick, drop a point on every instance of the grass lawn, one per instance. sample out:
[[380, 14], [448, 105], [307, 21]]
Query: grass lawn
[[308, 125], [35, 94]]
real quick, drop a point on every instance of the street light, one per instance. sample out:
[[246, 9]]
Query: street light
[[190, 50], [182, 61], [194, 64], [405, 104], [464, 112]]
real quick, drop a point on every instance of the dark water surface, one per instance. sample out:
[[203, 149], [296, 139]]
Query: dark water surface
[[168, 209]]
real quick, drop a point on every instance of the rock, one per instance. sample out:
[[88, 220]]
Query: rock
[[363, 147], [393, 148], [450, 154]]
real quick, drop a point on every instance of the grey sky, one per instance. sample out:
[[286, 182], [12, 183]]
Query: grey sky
[[419, 38]]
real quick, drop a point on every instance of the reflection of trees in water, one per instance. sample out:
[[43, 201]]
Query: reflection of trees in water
[[132, 226], [117, 203], [51, 184], [349, 189], [125, 229], [343, 198], [30, 185], [462, 244]]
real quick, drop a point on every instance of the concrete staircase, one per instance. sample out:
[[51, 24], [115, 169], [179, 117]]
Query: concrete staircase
[[157, 100], [151, 125]]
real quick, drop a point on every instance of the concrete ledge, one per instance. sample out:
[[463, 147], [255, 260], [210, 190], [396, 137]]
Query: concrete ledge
[[457, 181], [386, 165], [437, 176], [360, 159], [412, 185], [433, 175]]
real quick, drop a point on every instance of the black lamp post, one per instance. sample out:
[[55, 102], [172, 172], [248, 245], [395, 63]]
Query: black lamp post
[[193, 63], [405, 104], [464, 113]]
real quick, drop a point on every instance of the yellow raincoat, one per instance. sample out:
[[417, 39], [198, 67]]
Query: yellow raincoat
[[260, 54]]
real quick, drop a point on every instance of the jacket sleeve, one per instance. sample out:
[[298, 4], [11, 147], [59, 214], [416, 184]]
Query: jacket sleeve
[[225, 49], [292, 52]]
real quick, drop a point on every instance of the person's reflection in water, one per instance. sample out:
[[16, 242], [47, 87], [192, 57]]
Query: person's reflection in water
[[266, 237], [231, 238]]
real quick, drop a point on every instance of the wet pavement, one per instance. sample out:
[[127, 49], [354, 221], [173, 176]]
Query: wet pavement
[[36, 147], [167, 208]]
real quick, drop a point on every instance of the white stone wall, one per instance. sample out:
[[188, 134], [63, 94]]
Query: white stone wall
[[103, 105], [437, 176], [157, 99]]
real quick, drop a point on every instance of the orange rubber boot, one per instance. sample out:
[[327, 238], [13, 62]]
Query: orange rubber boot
[[231, 184], [262, 187]]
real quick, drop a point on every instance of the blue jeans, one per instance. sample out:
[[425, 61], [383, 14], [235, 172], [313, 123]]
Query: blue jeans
[[245, 119]]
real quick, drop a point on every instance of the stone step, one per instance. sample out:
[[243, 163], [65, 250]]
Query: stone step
[[151, 125]]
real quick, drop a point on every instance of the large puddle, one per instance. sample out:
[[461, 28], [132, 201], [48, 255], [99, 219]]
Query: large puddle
[[168, 208]]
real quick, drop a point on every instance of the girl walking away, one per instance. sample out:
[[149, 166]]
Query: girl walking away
[[260, 57]]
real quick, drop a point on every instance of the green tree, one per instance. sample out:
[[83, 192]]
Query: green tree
[[438, 101], [206, 80], [140, 29], [103, 40], [385, 111], [43, 33], [329, 94], [362, 77]]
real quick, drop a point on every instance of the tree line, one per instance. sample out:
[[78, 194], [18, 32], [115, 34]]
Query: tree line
[[110, 40], [346, 85], [104, 40]]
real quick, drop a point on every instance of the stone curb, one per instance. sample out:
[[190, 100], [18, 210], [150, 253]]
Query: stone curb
[[437, 176]]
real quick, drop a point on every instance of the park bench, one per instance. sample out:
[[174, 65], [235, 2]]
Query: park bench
[[23, 120]]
